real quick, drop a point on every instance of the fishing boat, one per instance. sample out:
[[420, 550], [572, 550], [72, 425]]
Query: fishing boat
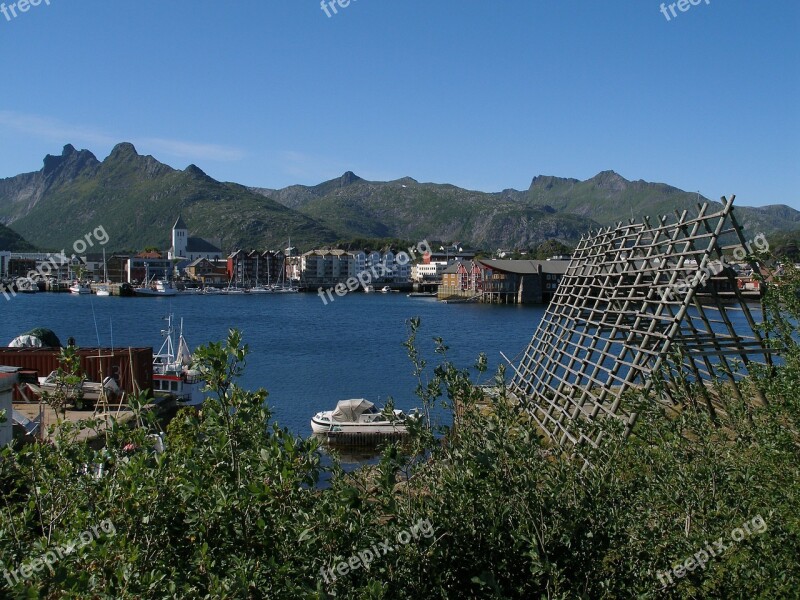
[[359, 416], [156, 287], [172, 372]]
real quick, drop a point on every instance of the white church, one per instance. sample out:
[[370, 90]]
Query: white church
[[190, 248]]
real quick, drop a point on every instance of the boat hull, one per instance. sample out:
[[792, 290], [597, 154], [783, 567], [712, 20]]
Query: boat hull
[[321, 423]]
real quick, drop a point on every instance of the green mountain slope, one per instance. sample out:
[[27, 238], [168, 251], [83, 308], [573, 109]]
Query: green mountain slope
[[408, 209], [137, 199], [11, 241], [608, 198]]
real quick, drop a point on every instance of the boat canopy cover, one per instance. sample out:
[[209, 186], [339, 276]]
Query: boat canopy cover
[[349, 410], [38, 337]]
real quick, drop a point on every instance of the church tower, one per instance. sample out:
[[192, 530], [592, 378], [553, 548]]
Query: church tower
[[180, 239]]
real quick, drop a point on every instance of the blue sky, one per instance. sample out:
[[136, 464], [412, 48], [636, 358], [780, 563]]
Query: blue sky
[[484, 95]]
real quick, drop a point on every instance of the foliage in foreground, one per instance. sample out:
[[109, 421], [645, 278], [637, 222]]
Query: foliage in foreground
[[231, 509]]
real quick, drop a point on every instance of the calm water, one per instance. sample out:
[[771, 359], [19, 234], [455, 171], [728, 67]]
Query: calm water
[[306, 354]]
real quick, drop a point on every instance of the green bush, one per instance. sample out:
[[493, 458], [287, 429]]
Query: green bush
[[231, 508]]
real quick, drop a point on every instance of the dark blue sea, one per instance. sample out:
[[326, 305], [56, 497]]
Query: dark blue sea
[[307, 355]]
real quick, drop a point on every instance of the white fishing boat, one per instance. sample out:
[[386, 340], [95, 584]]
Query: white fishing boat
[[212, 291], [172, 372], [79, 288], [359, 416], [368, 289], [156, 287]]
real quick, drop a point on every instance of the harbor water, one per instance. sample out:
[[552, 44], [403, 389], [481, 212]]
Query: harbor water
[[306, 354]]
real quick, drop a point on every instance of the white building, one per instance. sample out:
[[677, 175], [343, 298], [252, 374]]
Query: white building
[[190, 248], [428, 272], [326, 267]]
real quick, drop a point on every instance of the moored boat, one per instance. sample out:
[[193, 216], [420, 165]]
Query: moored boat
[[79, 288], [359, 416], [157, 287], [172, 372]]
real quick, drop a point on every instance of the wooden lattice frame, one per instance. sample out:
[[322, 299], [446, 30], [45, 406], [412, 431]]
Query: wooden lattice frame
[[612, 325]]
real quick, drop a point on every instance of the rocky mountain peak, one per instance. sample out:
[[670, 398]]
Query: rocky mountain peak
[[348, 178]]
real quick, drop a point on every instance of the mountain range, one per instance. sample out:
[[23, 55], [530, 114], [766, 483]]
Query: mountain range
[[137, 199]]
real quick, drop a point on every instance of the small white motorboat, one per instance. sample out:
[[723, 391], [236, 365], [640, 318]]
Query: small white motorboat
[[359, 416], [79, 288]]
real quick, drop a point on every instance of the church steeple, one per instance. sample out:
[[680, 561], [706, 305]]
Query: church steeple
[[180, 224], [180, 238]]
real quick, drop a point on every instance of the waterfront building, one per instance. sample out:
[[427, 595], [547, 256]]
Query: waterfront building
[[522, 281], [326, 267], [203, 271], [463, 279], [431, 271], [503, 281]]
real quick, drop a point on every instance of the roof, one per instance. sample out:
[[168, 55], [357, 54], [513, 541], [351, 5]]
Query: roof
[[349, 410], [453, 267], [197, 261], [180, 224], [526, 267], [196, 244]]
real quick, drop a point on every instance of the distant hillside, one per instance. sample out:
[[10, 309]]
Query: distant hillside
[[609, 198], [137, 199], [408, 209], [11, 241], [552, 208]]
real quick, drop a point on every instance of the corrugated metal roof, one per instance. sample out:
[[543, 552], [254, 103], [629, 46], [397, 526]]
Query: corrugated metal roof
[[526, 267]]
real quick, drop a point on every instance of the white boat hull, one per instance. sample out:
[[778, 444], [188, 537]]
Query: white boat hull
[[383, 427], [151, 292]]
